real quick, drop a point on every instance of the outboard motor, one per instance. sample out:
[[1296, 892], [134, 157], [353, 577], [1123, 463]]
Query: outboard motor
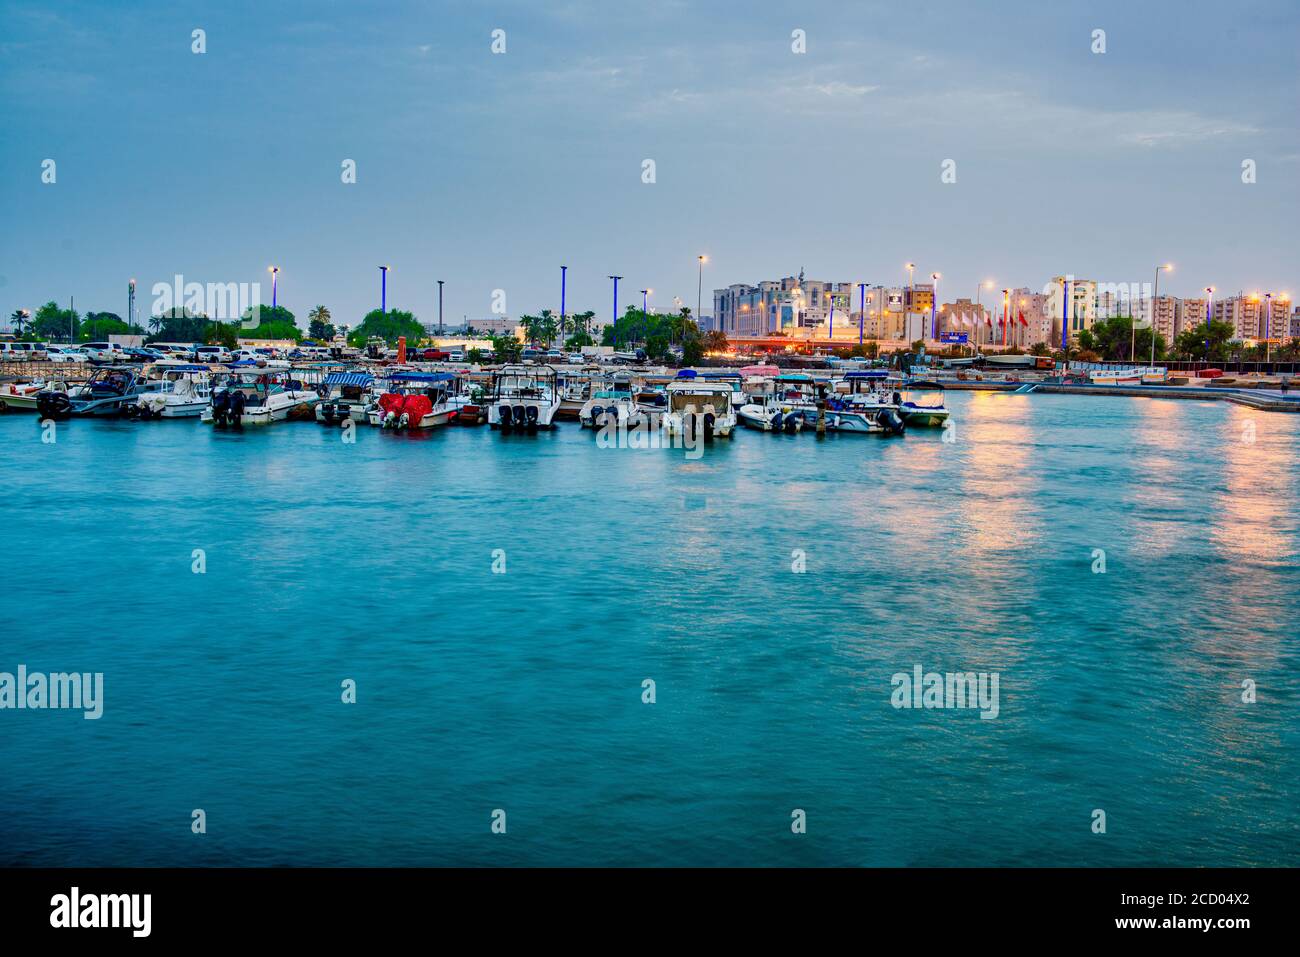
[[792, 423], [237, 403], [220, 406], [898, 398], [531, 413], [53, 405], [777, 421], [891, 422], [327, 413], [503, 413], [404, 421], [709, 421]]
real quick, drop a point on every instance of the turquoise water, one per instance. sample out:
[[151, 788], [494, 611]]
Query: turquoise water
[[478, 691]]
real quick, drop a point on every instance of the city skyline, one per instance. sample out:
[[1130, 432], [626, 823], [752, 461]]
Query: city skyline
[[489, 170]]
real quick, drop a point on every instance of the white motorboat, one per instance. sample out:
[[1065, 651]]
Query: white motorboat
[[524, 397], [611, 403], [21, 396], [699, 406], [185, 393], [767, 413], [418, 400], [347, 398], [260, 396]]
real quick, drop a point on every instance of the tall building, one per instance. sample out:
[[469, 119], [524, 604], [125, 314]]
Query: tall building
[[1249, 318], [795, 305]]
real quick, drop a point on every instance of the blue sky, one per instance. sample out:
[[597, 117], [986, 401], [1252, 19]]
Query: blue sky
[[489, 171]]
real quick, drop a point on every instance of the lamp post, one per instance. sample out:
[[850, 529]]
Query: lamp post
[[1066, 311], [616, 279], [1006, 307], [934, 304], [699, 289], [862, 310], [275, 284], [1268, 316], [564, 275], [130, 303], [979, 310], [1209, 311], [907, 305], [440, 330], [1132, 347], [383, 289]]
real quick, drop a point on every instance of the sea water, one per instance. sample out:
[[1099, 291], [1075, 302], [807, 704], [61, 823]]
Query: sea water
[[632, 657]]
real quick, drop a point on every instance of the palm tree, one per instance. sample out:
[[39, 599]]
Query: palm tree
[[548, 327], [18, 320], [321, 314], [155, 324]]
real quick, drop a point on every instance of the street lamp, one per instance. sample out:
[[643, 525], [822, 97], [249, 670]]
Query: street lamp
[[1268, 315], [1209, 311], [862, 309], [1132, 353], [275, 277], [616, 279], [979, 310], [564, 275], [699, 290], [383, 289], [934, 302], [911, 295]]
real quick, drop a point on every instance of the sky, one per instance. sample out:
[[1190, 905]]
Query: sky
[[491, 170]]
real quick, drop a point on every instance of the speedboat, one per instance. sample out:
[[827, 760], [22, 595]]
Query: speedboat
[[418, 400], [21, 396], [260, 396], [699, 406], [110, 390], [611, 403], [186, 391], [524, 397], [767, 413], [576, 388], [347, 398]]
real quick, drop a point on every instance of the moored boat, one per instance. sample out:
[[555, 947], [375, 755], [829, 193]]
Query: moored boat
[[524, 398]]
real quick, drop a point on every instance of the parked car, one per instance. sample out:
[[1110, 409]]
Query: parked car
[[210, 354], [577, 358], [66, 353], [456, 355], [142, 355], [26, 351], [104, 352]]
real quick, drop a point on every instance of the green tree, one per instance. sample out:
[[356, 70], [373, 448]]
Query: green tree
[[18, 320], [389, 326], [51, 322], [1190, 343], [178, 325], [271, 322], [225, 334], [507, 348], [101, 325], [715, 340], [1114, 340], [319, 326]]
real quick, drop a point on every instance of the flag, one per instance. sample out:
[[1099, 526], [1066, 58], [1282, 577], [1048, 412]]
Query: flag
[[988, 320], [1022, 318]]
